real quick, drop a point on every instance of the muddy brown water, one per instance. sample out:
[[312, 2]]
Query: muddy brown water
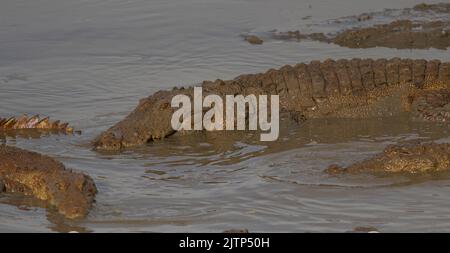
[[88, 62]]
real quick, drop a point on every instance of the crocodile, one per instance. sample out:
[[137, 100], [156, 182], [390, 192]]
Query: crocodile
[[30, 173], [421, 27], [398, 34], [410, 159], [355, 88]]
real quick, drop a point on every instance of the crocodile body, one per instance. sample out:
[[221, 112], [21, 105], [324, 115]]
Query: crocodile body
[[356, 88], [411, 158], [30, 173]]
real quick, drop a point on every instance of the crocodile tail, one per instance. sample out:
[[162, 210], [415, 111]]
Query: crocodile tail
[[33, 122]]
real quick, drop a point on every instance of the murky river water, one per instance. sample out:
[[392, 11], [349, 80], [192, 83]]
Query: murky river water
[[88, 62]]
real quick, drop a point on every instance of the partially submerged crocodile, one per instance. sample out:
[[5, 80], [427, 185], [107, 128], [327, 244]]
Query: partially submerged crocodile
[[400, 34], [406, 31], [30, 173], [397, 34], [357, 88], [411, 158]]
